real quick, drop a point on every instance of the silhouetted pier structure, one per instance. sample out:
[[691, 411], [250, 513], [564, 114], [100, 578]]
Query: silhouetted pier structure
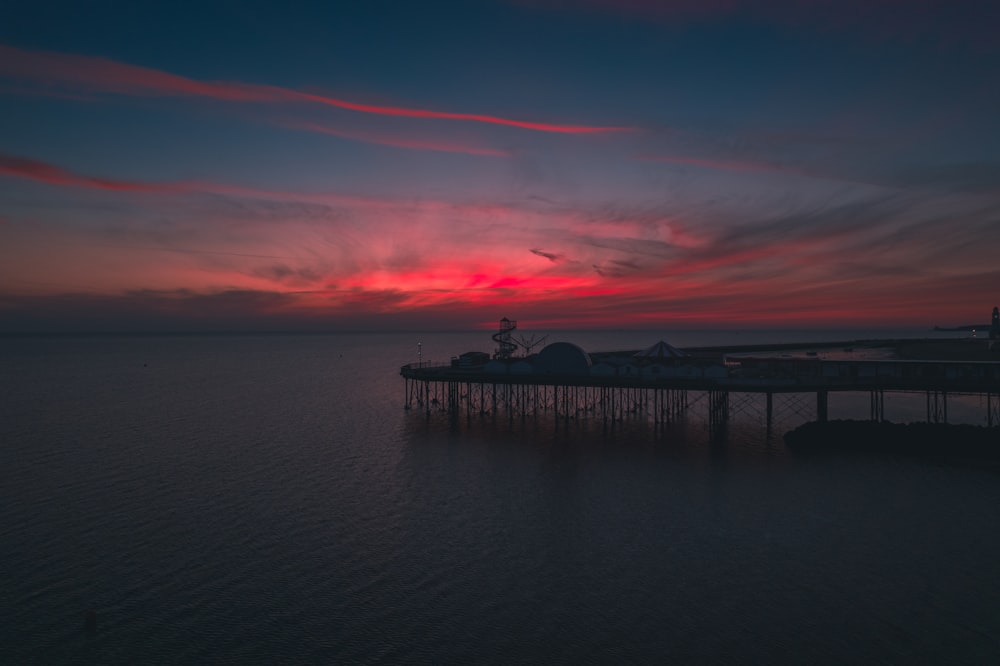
[[563, 382]]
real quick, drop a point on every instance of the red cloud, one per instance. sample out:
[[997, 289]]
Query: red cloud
[[448, 115], [29, 169], [96, 74], [439, 258], [438, 146], [22, 167]]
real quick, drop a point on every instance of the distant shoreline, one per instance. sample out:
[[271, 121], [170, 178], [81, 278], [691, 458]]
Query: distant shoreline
[[907, 349], [967, 327]]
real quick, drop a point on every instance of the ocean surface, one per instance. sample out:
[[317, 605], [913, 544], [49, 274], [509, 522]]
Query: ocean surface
[[267, 499]]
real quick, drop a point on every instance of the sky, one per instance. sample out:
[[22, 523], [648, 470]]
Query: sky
[[440, 165]]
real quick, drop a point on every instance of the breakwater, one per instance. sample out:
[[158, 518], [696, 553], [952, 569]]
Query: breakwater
[[920, 439]]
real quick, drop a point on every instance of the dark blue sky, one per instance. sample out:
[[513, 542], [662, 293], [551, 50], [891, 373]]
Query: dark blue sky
[[576, 163]]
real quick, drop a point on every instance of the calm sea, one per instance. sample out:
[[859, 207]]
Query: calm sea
[[267, 499]]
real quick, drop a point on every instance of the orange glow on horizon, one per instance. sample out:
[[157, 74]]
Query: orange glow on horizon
[[324, 256]]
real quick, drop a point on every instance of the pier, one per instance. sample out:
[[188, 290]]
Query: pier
[[663, 384]]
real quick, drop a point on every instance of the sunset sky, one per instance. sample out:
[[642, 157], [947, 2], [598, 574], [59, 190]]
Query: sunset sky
[[588, 163]]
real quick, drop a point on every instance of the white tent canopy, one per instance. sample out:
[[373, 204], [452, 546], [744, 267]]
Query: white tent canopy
[[661, 351]]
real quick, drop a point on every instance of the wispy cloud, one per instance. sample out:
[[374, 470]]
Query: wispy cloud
[[103, 75], [726, 165], [269, 203], [551, 256], [981, 177], [23, 167], [757, 166], [402, 142], [186, 250]]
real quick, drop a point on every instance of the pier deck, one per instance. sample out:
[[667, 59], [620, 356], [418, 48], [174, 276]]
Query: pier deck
[[660, 390]]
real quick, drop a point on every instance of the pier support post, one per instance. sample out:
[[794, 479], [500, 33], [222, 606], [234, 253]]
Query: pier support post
[[770, 410], [937, 407], [718, 408], [877, 405], [822, 406]]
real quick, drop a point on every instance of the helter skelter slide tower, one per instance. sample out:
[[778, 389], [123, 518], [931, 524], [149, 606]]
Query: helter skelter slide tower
[[505, 340]]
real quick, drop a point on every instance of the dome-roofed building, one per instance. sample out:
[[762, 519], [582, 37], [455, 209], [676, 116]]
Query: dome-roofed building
[[563, 358]]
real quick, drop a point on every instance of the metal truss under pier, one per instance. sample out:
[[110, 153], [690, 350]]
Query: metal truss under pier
[[610, 403]]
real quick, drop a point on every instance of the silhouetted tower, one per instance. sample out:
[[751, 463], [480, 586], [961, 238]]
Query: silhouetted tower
[[505, 343], [995, 324]]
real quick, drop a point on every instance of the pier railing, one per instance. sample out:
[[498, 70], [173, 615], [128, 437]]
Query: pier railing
[[759, 376]]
